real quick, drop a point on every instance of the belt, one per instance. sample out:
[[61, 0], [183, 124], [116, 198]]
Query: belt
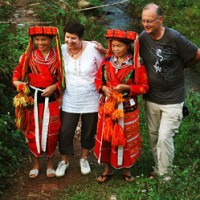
[[45, 122]]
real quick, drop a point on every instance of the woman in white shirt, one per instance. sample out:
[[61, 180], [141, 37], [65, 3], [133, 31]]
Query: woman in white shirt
[[80, 99]]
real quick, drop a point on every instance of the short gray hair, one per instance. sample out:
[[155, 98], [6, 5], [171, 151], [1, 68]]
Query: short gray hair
[[159, 10]]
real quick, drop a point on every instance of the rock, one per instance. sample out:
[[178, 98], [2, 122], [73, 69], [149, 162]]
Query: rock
[[30, 12], [83, 4], [78, 129], [113, 197], [34, 4], [64, 5], [4, 3]]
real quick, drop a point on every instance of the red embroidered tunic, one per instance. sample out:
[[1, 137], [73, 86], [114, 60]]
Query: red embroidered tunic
[[41, 73], [110, 76]]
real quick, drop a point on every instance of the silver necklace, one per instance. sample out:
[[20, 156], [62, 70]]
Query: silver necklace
[[72, 54]]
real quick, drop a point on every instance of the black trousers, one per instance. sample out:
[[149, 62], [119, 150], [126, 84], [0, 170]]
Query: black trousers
[[69, 122]]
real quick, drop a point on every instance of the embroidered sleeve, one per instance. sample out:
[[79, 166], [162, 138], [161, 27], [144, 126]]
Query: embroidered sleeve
[[100, 79], [142, 86], [17, 73], [60, 84]]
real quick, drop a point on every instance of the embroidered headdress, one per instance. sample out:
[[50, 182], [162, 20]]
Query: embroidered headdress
[[43, 30], [121, 34], [129, 36]]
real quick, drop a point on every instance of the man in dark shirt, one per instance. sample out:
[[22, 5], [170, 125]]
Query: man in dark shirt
[[165, 53]]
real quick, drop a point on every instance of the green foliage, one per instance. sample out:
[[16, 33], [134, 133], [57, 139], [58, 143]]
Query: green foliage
[[12, 149], [188, 139], [181, 3], [12, 144], [5, 10], [12, 47], [95, 2], [56, 14]]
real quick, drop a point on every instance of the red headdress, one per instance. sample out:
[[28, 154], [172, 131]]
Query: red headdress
[[43, 30], [128, 36]]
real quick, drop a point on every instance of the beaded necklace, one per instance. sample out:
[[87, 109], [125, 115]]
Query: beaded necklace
[[126, 63]]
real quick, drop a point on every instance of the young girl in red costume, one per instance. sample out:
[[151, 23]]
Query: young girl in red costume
[[39, 75], [120, 79]]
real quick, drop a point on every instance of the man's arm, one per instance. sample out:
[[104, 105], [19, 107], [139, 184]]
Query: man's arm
[[195, 60], [99, 47]]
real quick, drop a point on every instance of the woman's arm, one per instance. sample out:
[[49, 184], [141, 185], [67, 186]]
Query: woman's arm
[[142, 86]]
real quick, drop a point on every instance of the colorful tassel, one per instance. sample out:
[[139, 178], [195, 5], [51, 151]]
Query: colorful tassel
[[22, 103], [117, 114], [109, 108], [118, 138], [108, 129]]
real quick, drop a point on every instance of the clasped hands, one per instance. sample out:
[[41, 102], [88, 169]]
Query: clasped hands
[[47, 91], [120, 88]]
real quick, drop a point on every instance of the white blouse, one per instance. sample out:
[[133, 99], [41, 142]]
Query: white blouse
[[80, 95]]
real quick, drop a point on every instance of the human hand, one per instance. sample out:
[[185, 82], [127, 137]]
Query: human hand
[[49, 91], [99, 47], [17, 83], [121, 88], [107, 91]]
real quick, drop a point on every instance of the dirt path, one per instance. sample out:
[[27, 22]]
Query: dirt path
[[43, 188]]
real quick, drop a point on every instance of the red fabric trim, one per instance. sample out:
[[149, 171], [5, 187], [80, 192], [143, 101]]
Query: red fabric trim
[[53, 129]]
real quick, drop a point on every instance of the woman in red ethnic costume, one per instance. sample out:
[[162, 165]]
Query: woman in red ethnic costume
[[120, 79], [39, 80]]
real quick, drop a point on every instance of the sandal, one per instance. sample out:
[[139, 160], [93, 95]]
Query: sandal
[[50, 173], [104, 178], [128, 178], [33, 173]]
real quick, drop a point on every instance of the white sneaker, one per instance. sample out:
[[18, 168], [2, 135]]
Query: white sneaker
[[62, 166], [85, 167]]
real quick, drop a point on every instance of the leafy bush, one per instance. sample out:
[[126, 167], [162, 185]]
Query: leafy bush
[[12, 149], [12, 143], [5, 10], [12, 47]]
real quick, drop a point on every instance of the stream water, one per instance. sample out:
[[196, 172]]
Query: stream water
[[117, 18]]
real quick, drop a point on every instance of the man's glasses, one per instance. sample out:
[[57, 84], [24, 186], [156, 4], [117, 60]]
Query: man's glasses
[[149, 21]]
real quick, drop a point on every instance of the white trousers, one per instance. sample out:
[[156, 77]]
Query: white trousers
[[163, 122]]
